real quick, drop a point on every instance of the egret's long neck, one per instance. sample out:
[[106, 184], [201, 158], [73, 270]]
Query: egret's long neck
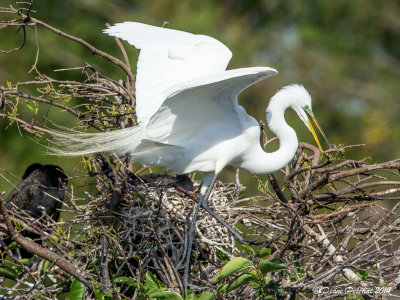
[[287, 136], [262, 162]]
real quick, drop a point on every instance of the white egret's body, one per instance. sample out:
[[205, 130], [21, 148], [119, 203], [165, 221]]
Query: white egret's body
[[188, 111]]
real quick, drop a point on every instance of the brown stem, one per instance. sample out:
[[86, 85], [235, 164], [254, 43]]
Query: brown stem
[[29, 127], [275, 186], [34, 248], [107, 56], [34, 98]]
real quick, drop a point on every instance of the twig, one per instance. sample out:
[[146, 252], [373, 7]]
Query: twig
[[37, 50], [43, 252], [107, 56]]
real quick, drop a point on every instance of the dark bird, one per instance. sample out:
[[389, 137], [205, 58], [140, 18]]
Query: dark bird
[[164, 180], [41, 190], [42, 187]]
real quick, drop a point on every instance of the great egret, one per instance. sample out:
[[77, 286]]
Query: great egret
[[188, 112]]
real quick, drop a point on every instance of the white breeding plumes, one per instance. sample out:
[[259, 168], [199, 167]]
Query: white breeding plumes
[[188, 111]]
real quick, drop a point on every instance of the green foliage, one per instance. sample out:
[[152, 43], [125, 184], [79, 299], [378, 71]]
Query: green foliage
[[152, 288], [126, 280], [13, 245], [363, 274], [240, 280], [222, 256], [167, 295], [243, 271], [102, 296], [271, 265], [26, 261], [77, 290], [87, 165], [33, 107], [235, 265], [8, 272], [206, 296], [265, 252], [46, 265]]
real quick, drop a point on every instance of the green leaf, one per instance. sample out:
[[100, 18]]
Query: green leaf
[[142, 197], [222, 256], [272, 265], [77, 290], [276, 288], [45, 266], [239, 281], [190, 295], [206, 295], [221, 289], [264, 252], [98, 294], [246, 248], [13, 246], [166, 295], [25, 261], [255, 285], [126, 280], [362, 274], [235, 265], [32, 107], [266, 280], [151, 281], [87, 164], [8, 272]]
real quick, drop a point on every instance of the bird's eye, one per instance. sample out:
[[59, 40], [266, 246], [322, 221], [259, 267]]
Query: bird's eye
[[307, 109]]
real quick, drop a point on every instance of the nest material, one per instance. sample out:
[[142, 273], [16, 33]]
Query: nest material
[[164, 213], [143, 226]]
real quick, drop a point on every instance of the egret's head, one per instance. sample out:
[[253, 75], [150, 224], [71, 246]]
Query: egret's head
[[300, 100]]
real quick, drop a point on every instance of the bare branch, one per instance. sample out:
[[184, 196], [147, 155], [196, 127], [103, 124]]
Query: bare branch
[[43, 252]]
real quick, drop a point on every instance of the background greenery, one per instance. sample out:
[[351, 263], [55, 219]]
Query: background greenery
[[346, 53]]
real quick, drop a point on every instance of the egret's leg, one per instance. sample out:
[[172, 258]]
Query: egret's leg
[[207, 184]]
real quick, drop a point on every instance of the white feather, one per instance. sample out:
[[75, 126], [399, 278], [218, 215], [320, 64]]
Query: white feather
[[117, 141], [188, 107], [168, 57]]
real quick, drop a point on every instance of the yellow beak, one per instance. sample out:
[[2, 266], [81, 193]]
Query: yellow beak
[[314, 135], [320, 130], [311, 115]]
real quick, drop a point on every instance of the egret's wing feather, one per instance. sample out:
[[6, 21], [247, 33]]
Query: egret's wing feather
[[168, 57], [202, 103]]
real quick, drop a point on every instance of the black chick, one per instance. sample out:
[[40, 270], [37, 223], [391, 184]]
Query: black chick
[[42, 186]]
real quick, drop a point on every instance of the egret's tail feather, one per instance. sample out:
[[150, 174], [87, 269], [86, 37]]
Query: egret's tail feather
[[118, 141]]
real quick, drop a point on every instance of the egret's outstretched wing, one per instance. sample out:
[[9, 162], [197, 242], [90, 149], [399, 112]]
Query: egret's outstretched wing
[[168, 57], [204, 103]]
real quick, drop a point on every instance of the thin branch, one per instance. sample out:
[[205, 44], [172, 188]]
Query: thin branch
[[37, 50], [94, 50], [43, 252]]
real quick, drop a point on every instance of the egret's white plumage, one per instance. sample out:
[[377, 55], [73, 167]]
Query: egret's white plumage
[[188, 111], [168, 57]]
